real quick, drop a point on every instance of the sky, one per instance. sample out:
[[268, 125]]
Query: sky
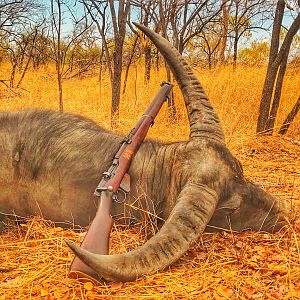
[[258, 35]]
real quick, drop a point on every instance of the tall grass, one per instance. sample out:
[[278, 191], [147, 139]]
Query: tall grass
[[234, 94], [228, 266]]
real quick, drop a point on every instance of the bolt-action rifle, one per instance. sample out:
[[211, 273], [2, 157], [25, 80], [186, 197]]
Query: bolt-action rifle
[[113, 181]]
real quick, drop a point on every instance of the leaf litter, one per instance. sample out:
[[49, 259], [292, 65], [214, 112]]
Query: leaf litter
[[34, 259]]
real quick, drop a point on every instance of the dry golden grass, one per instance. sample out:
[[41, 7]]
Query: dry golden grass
[[249, 265], [235, 96]]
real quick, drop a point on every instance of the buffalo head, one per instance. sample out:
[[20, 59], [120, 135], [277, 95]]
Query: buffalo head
[[208, 184]]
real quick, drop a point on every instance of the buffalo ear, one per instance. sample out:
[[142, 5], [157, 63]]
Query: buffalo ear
[[227, 215], [230, 205]]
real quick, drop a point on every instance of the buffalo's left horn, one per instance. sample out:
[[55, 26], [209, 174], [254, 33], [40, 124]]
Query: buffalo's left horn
[[196, 204]]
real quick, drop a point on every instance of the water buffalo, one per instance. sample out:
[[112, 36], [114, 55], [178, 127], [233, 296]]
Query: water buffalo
[[51, 163]]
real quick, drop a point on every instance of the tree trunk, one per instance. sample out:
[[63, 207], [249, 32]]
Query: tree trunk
[[100, 68], [57, 24], [289, 119], [12, 75], [157, 61], [278, 58], [119, 27], [147, 51], [277, 95], [59, 84], [225, 31], [147, 48], [265, 103], [116, 84], [235, 50], [60, 92], [266, 100], [171, 104], [129, 64], [29, 58], [209, 61], [164, 24]]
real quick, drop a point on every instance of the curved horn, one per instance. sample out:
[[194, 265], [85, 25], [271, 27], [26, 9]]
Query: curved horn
[[204, 121], [196, 204]]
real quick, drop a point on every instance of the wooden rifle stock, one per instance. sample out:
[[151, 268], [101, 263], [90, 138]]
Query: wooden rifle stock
[[96, 239]]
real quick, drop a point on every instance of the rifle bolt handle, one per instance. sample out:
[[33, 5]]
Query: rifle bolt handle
[[110, 188]]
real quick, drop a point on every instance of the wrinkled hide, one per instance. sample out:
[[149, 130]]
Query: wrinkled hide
[[51, 163]]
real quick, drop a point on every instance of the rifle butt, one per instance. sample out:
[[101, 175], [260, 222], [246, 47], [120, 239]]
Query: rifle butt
[[96, 241]]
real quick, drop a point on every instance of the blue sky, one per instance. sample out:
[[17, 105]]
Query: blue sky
[[79, 10]]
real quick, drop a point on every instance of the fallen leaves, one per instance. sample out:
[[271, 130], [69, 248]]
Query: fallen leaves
[[223, 292], [90, 295], [88, 286], [247, 265], [116, 285], [4, 269], [277, 270], [44, 293]]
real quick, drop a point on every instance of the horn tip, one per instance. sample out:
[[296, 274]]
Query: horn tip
[[72, 246], [81, 253], [138, 25]]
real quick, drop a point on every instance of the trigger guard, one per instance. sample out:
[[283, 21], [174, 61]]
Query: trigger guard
[[124, 194]]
